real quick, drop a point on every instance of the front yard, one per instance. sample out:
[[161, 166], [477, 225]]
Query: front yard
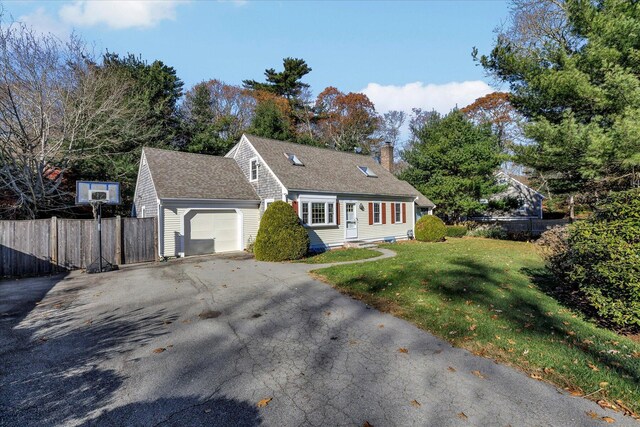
[[488, 297]]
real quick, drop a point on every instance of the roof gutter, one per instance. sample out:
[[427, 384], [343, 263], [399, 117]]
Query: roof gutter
[[307, 190]]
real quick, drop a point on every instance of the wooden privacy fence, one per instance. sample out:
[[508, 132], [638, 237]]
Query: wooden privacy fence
[[535, 227], [45, 246]]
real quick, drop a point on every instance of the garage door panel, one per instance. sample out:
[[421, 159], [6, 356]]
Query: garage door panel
[[201, 246], [211, 231]]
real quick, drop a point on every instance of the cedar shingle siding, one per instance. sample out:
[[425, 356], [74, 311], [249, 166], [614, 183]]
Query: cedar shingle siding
[[266, 186], [145, 192]]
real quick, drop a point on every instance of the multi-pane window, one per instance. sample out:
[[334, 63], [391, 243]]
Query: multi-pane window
[[376, 213], [318, 212], [254, 170], [398, 212]]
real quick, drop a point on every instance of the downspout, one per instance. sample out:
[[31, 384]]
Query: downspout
[[160, 230]]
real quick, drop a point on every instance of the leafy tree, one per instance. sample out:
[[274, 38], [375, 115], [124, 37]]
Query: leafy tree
[[346, 121], [573, 71], [215, 116], [496, 109], [453, 161], [59, 112], [390, 126]]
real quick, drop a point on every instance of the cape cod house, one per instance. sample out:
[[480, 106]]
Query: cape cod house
[[207, 204]]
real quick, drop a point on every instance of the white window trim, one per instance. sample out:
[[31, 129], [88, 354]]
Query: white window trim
[[251, 160], [267, 202], [326, 200], [373, 214], [142, 209], [397, 214]]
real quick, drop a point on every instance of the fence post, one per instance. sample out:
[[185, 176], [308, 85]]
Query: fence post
[[53, 242], [118, 240]]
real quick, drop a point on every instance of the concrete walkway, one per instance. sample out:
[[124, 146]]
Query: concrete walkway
[[204, 341]]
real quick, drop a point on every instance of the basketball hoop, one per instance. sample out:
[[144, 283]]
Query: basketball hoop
[[97, 194]]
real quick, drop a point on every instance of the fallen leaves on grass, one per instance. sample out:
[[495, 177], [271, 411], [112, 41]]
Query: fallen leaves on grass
[[479, 374], [593, 367], [463, 416], [415, 403], [575, 392], [403, 350], [264, 402], [536, 376], [473, 327], [159, 350]]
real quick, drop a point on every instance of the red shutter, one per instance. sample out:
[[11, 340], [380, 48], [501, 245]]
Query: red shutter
[[370, 213], [404, 213], [294, 205], [393, 213], [384, 213], [337, 212]]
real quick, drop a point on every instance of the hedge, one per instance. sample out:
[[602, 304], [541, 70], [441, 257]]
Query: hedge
[[430, 228], [280, 237]]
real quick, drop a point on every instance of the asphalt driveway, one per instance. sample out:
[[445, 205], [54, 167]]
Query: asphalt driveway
[[203, 341]]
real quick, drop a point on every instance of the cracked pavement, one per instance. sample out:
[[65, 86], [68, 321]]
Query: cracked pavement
[[201, 341]]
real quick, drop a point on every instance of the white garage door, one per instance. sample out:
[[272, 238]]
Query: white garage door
[[207, 232]]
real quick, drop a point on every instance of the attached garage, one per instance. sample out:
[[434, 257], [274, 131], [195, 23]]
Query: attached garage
[[212, 231], [204, 204]]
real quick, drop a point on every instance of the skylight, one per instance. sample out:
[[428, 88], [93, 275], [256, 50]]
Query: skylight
[[367, 171], [293, 159]]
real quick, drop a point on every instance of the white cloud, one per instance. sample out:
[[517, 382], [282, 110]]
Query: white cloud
[[119, 14], [40, 21], [439, 97]]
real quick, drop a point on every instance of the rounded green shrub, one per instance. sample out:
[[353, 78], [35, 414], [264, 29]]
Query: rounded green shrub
[[456, 231], [430, 228], [602, 259], [280, 237]]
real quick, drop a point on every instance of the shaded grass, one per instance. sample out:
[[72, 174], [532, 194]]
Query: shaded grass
[[341, 255], [484, 295]]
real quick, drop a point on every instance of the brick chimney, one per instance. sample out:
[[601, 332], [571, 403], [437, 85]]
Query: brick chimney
[[386, 156]]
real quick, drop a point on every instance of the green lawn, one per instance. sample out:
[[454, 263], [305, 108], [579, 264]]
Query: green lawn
[[341, 255], [489, 296]]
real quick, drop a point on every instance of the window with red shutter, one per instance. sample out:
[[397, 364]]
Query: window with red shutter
[[370, 213], [404, 212]]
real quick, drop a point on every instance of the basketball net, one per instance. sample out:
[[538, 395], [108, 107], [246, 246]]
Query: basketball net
[[94, 207]]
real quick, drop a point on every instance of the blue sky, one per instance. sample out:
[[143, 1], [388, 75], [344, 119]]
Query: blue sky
[[401, 54]]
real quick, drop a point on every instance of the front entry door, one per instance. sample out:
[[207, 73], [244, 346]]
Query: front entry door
[[351, 221]]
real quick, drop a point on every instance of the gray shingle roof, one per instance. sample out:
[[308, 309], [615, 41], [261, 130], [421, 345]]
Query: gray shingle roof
[[332, 171], [179, 175]]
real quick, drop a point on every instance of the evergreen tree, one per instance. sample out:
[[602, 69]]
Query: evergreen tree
[[453, 161], [576, 78], [269, 121]]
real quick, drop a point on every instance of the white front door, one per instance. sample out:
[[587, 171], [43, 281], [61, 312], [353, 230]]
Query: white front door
[[351, 221]]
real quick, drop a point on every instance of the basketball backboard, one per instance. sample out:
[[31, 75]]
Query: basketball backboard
[[88, 192]]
